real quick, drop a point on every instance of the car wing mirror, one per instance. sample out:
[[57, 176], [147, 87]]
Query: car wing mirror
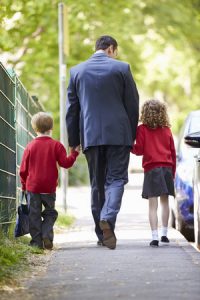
[[193, 140]]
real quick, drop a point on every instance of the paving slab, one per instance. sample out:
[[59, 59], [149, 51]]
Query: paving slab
[[79, 269]]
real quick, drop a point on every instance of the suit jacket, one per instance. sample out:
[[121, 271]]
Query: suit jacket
[[103, 103]]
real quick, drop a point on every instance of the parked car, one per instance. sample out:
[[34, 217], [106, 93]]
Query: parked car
[[193, 140], [182, 207]]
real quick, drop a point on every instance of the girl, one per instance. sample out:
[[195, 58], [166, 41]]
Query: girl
[[155, 143]]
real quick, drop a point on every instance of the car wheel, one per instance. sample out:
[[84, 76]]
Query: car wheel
[[196, 220], [184, 230], [172, 219]]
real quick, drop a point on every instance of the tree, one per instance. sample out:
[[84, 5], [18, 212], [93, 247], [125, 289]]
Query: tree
[[149, 32], [160, 40]]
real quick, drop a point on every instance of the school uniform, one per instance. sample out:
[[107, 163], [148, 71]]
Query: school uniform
[[39, 177], [159, 160]]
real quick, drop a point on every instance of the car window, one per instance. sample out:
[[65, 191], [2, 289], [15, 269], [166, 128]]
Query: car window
[[183, 132], [192, 124]]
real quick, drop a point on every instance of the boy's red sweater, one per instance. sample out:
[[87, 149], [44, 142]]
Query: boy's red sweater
[[38, 170], [156, 146]]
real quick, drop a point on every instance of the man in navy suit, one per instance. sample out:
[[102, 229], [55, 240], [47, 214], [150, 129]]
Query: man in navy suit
[[102, 115]]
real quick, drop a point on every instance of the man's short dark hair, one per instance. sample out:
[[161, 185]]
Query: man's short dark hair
[[104, 42]]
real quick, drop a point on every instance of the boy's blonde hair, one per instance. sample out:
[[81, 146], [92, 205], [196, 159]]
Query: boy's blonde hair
[[42, 122], [154, 114]]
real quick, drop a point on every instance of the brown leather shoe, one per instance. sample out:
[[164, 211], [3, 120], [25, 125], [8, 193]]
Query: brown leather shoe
[[109, 238]]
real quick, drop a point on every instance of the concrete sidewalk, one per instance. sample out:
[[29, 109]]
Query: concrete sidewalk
[[80, 270]]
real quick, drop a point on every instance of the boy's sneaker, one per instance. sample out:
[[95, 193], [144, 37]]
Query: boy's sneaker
[[48, 244], [154, 243], [164, 239]]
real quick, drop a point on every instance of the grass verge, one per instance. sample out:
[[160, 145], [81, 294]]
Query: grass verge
[[16, 254], [64, 220]]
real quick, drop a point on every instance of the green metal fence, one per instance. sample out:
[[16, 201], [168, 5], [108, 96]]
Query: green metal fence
[[26, 106], [7, 148], [16, 109]]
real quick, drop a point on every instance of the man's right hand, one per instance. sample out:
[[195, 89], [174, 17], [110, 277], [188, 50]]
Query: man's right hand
[[77, 148]]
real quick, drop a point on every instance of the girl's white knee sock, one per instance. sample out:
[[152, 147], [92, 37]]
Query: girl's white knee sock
[[155, 234], [164, 231]]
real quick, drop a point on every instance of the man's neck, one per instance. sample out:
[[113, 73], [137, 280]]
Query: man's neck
[[100, 51]]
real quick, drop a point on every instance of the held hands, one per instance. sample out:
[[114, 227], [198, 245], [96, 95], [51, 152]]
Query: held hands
[[77, 148]]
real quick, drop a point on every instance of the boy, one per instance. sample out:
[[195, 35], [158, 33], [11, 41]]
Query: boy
[[39, 176]]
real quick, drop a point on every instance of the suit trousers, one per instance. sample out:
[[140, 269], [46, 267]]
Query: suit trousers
[[108, 170], [41, 221]]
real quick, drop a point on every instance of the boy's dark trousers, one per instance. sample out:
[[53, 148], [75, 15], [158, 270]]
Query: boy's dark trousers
[[41, 222]]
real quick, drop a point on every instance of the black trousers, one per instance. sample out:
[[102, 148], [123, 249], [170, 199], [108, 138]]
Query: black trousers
[[41, 222], [108, 170]]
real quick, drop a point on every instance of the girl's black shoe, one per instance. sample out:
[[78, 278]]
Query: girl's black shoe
[[164, 239], [154, 243]]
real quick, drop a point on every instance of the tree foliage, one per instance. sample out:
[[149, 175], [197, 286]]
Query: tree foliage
[[160, 40]]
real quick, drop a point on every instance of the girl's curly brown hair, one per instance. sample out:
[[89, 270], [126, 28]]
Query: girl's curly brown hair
[[154, 114]]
